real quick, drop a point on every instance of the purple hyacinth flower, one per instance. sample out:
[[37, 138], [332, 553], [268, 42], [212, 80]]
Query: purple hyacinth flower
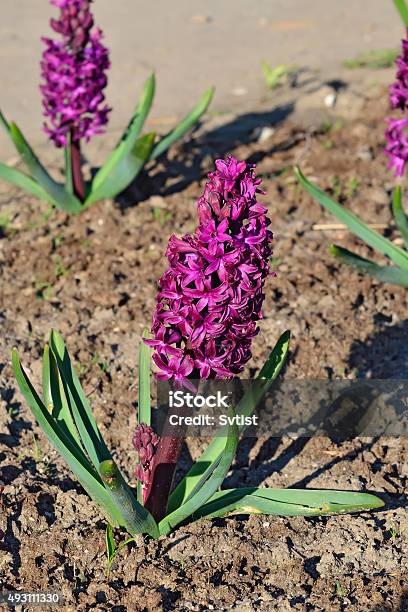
[[397, 144], [211, 295], [74, 73], [396, 134], [399, 89]]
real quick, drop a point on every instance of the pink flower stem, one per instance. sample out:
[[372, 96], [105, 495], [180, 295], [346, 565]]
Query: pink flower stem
[[77, 176], [164, 467]]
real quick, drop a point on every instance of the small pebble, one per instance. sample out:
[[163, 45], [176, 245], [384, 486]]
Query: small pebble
[[330, 100], [365, 154], [265, 133], [239, 91]]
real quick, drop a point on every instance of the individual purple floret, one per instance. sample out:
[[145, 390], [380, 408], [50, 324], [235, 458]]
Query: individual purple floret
[[145, 442], [211, 296], [74, 76]]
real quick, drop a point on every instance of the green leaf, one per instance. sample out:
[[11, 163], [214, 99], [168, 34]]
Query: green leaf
[[136, 518], [400, 217], [76, 460], [276, 360], [144, 403], [144, 400], [246, 406], [129, 139], [84, 420], [56, 400], [125, 171], [360, 229], [273, 76], [187, 123], [4, 123], [286, 502], [56, 192], [203, 491], [385, 274], [110, 544], [112, 555], [15, 177], [403, 11]]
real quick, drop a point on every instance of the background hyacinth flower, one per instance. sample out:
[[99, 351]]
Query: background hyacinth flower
[[396, 149], [74, 73], [396, 133], [74, 76]]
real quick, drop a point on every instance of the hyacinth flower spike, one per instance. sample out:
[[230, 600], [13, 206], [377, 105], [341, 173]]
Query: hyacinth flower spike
[[396, 149], [74, 70], [231, 222]]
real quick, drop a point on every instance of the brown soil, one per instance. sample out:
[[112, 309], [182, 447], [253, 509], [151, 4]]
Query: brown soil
[[94, 278]]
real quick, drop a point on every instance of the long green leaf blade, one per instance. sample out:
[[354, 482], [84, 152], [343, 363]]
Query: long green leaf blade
[[79, 464], [286, 502], [57, 193], [246, 406], [385, 274], [21, 180], [56, 399], [130, 136], [144, 403], [360, 229], [125, 171], [206, 490], [84, 420], [144, 399], [203, 478], [186, 124], [4, 123], [403, 10], [400, 217], [110, 544]]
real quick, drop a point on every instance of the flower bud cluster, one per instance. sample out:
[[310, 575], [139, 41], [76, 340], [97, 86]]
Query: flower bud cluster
[[145, 442]]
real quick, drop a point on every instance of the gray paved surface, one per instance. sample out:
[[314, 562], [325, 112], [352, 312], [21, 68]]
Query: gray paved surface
[[191, 44]]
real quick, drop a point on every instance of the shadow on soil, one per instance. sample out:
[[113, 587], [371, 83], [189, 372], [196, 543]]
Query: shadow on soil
[[218, 142], [215, 143], [385, 354], [402, 606]]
